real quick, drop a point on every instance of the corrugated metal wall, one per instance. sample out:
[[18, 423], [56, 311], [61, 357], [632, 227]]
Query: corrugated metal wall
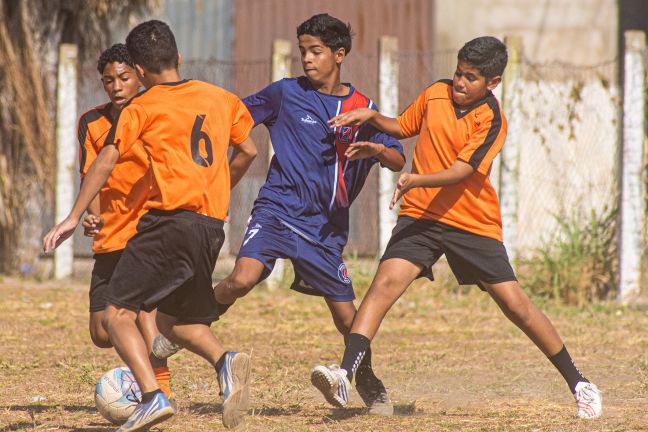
[[258, 22]]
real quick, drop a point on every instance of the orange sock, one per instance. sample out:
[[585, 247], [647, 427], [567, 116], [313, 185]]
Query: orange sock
[[163, 378]]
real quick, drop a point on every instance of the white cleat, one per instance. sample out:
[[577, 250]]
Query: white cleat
[[163, 348], [589, 401], [333, 383]]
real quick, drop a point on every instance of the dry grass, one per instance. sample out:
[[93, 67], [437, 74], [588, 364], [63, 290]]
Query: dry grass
[[450, 360]]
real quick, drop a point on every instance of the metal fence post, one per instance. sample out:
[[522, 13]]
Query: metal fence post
[[632, 205], [281, 49], [388, 100], [66, 151], [510, 155]]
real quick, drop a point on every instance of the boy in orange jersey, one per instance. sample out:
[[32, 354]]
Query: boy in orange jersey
[[185, 127], [113, 214], [450, 207]]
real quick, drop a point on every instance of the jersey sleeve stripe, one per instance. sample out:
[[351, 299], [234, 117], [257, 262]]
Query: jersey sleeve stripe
[[495, 127], [82, 132]]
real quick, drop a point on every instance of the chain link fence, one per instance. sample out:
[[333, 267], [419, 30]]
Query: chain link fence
[[568, 145]]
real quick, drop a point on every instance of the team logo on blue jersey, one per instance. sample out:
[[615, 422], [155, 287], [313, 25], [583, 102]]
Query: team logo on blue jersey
[[343, 275], [345, 135], [308, 119]]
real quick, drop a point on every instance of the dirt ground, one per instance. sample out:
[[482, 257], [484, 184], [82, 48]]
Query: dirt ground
[[450, 360]]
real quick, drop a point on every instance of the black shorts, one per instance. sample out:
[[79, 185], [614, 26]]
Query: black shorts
[[472, 258], [103, 269], [168, 265]]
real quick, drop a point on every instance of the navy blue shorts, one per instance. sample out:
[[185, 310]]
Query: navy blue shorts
[[318, 271]]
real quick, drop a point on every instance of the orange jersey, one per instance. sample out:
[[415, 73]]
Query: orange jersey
[[446, 134], [186, 128], [122, 197]]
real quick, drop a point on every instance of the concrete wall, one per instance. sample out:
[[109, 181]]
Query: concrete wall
[[582, 32]]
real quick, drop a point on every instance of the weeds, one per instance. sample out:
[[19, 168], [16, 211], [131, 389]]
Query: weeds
[[580, 264]]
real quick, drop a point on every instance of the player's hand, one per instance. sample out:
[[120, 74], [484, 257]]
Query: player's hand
[[363, 150], [92, 224], [59, 234], [405, 182], [352, 118]]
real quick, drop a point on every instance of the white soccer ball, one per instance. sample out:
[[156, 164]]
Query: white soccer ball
[[117, 394]]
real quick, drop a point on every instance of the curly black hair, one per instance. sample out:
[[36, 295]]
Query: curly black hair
[[116, 53], [330, 30], [487, 54], [152, 45]]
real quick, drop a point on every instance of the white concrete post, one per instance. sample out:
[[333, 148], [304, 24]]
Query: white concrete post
[[495, 167], [281, 49], [632, 206], [388, 103], [510, 155], [66, 152]]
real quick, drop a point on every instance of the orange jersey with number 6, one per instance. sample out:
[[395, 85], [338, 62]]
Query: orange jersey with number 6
[[186, 128], [123, 196]]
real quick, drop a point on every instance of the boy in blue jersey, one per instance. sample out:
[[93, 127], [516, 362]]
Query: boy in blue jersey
[[302, 211]]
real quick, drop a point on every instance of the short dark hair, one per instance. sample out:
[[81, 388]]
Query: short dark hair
[[151, 45], [330, 30], [116, 53], [487, 54]]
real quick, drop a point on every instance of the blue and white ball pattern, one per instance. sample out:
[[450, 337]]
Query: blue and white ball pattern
[[117, 394]]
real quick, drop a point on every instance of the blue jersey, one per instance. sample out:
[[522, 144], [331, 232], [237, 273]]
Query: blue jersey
[[310, 183]]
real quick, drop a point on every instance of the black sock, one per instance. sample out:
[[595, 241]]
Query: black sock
[[356, 348], [219, 364], [148, 397], [365, 371], [567, 369]]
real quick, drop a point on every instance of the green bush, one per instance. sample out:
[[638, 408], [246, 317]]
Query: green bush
[[580, 264]]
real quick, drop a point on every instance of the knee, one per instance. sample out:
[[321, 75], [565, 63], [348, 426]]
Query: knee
[[113, 316], [99, 335], [343, 324], [518, 311]]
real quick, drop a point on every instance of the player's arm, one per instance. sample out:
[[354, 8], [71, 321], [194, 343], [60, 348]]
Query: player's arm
[[93, 222], [242, 157], [360, 116], [387, 156], [458, 172], [97, 176]]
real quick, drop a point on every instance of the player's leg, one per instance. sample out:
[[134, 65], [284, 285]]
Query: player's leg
[[98, 333], [102, 271], [148, 328], [370, 388], [411, 252], [266, 239], [518, 308], [246, 274], [476, 259], [185, 317], [392, 279]]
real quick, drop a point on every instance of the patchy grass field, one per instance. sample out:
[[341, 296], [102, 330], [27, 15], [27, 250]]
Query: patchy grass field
[[450, 360]]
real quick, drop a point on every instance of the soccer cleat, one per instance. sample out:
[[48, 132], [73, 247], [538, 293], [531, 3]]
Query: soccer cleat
[[373, 392], [163, 348], [148, 414], [589, 401], [333, 383], [234, 382]]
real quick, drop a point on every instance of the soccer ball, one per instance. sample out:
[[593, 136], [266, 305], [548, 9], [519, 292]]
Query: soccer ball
[[117, 394]]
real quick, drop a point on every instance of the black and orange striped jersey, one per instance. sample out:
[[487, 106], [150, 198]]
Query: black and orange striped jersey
[[447, 134], [123, 196], [186, 128]]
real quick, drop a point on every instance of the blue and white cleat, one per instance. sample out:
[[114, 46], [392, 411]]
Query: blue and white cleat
[[234, 382], [333, 383], [148, 414]]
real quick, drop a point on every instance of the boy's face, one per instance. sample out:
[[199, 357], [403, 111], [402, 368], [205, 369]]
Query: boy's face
[[469, 85], [120, 83], [319, 61]]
